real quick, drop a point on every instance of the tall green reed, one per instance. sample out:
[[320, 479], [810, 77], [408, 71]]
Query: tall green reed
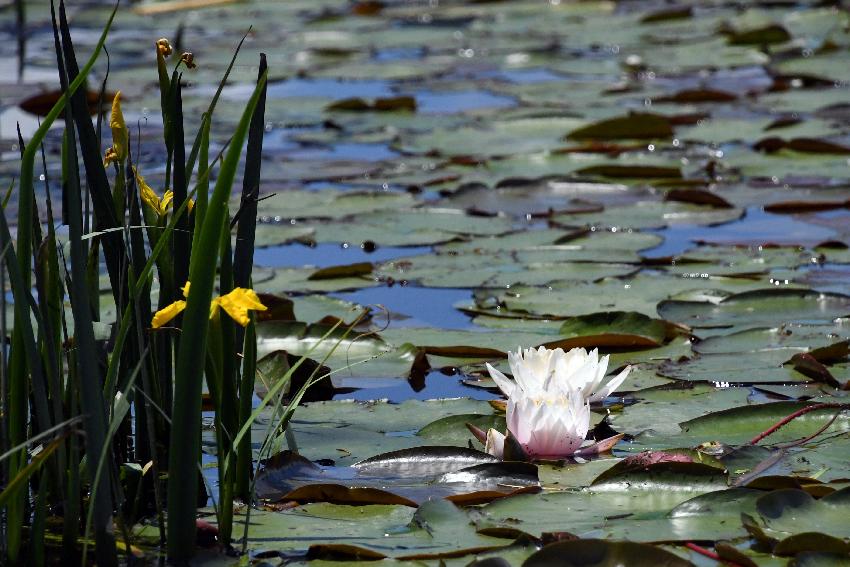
[[85, 408]]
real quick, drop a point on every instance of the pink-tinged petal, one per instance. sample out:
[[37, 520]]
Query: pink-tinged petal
[[514, 417], [611, 386], [505, 384], [554, 442], [495, 444], [601, 369], [524, 418], [600, 446]]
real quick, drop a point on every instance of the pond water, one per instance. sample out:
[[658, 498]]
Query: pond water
[[668, 184]]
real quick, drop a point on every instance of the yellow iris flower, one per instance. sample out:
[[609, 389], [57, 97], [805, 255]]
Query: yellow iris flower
[[120, 134], [237, 303], [152, 200]]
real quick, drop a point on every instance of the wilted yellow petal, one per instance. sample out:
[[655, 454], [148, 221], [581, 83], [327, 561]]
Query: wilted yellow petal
[[238, 302], [109, 156], [167, 313], [147, 194], [120, 134], [166, 201], [188, 59], [164, 47]]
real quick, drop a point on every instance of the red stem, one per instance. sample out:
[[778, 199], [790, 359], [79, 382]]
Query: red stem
[[785, 420], [710, 554], [703, 551]]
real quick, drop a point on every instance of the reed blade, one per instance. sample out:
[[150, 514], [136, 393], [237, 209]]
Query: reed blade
[[188, 377]]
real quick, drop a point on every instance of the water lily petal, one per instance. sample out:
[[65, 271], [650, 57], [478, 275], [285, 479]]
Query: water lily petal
[[612, 385], [505, 384], [495, 444]]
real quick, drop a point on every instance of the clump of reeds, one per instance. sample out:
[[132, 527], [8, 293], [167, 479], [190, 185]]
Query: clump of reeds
[[100, 429]]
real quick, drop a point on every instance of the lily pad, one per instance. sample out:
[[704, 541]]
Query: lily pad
[[638, 126], [600, 553], [759, 307], [618, 329]]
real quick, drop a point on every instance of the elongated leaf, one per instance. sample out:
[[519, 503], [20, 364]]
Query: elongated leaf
[[186, 415]]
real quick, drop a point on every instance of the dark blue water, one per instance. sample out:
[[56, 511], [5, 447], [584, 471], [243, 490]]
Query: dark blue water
[[433, 102], [525, 76], [437, 386], [426, 306], [345, 151], [329, 88], [755, 228], [328, 254]]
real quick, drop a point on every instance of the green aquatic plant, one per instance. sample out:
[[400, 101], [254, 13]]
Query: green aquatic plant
[[132, 417]]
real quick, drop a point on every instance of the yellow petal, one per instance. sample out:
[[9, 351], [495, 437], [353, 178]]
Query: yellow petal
[[167, 313], [215, 304], [186, 290], [238, 302], [148, 195], [120, 134], [166, 201]]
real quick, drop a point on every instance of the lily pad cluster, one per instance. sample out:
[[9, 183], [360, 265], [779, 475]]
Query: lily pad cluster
[[667, 183]]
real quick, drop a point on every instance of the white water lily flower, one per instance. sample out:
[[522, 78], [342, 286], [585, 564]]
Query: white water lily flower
[[548, 410]]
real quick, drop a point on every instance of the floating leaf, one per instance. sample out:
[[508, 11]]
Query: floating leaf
[[805, 145], [668, 14], [346, 271], [691, 96], [41, 104], [390, 104], [617, 329], [632, 171], [766, 35], [636, 126], [759, 307], [601, 553]]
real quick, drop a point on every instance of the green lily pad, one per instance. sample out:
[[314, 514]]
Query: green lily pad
[[739, 425], [620, 329], [790, 511], [759, 307]]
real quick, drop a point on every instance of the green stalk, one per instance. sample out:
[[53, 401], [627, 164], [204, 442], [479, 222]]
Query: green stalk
[[203, 194], [91, 395], [18, 371], [188, 379], [246, 392], [206, 118]]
